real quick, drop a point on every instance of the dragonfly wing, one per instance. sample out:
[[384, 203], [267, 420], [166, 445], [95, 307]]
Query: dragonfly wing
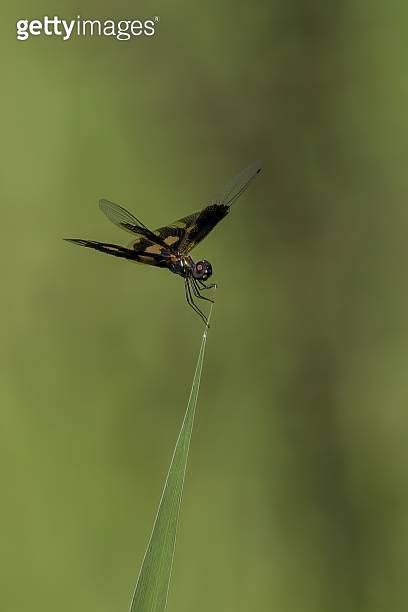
[[240, 183], [200, 224], [159, 259], [189, 231], [173, 235], [127, 221]]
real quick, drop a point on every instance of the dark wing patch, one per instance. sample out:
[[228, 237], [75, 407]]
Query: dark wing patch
[[142, 244], [187, 232], [171, 235], [160, 260], [199, 224]]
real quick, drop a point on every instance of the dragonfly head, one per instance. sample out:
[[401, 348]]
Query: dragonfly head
[[202, 270]]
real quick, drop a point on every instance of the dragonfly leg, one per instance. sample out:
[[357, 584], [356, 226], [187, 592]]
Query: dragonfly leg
[[204, 286], [196, 291], [190, 301]]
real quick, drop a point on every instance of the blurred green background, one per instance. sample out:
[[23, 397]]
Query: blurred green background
[[296, 496]]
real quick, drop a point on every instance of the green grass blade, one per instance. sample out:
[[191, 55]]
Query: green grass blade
[[153, 583]]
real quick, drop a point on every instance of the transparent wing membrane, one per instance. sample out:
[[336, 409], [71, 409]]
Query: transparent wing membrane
[[198, 225], [120, 216], [236, 187], [127, 221]]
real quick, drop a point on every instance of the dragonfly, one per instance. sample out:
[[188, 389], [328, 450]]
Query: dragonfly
[[170, 246]]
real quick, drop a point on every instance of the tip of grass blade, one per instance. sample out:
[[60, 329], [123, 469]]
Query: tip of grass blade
[[152, 586]]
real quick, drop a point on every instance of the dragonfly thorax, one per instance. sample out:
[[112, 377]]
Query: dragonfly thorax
[[182, 266]]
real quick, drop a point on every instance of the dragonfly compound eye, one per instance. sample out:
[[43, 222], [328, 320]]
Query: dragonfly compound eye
[[202, 270]]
